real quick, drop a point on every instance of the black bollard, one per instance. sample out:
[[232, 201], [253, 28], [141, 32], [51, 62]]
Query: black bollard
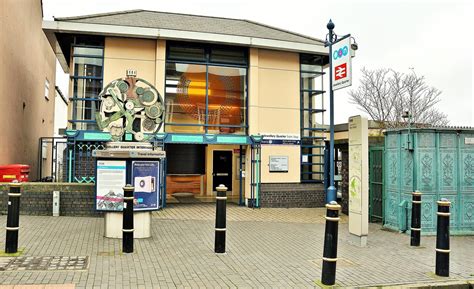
[[13, 218], [442, 238], [127, 227], [221, 200], [415, 219], [330, 244]]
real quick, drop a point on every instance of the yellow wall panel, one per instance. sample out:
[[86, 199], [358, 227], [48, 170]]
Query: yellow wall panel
[[130, 48], [278, 88], [116, 68], [272, 120], [280, 60], [293, 154]]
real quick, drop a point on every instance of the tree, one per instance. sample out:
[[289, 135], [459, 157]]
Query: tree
[[386, 95]]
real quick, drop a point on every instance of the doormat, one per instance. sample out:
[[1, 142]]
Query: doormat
[[185, 198]]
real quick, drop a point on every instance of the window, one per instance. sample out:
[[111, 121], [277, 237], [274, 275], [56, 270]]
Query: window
[[206, 89], [46, 89], [311, 117], [87, 67]]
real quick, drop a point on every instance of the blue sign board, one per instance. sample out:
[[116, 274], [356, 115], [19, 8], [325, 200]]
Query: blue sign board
[[146, 180]]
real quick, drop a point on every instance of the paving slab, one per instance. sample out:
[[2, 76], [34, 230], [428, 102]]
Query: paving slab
[[266, 248]]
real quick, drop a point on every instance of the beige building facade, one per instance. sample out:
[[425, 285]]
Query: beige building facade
[[265, 80], [27, 82]]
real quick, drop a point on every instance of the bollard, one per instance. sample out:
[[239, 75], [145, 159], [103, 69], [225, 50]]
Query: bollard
[[221, 200], [13, 218], [328, 276], [127, 227], [415, 219], [442, 238]]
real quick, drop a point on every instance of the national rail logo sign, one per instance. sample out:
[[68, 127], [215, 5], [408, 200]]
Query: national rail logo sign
[[341, 63], [340, 71]]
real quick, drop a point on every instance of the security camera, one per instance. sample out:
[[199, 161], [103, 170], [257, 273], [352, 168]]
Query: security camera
[[354, 46]]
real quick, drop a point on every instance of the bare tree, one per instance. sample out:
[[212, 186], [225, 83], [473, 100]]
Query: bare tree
[[386, 95]]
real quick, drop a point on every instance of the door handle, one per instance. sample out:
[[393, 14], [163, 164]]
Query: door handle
[[222, 174]]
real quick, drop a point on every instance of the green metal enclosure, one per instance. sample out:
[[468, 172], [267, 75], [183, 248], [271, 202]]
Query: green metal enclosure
[[437, 162]]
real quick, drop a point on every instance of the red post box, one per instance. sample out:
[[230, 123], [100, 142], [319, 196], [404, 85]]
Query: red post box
[[19, 172]]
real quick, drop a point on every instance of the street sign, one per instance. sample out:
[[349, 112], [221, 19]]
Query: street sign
[[341, 63]]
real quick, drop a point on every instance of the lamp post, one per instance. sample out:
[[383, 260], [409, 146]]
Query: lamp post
[[331, 39], [407, 116]]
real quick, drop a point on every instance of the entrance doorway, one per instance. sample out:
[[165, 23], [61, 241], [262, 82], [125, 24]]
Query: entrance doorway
[[222, 169]]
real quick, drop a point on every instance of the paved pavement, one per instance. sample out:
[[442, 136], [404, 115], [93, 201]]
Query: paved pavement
[[267, 248]]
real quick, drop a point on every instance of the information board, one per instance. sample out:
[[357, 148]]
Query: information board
[[111, 178], [278, 163], [146, 180]]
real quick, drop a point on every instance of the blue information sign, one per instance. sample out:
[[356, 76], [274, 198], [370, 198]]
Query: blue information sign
[[146, 180]]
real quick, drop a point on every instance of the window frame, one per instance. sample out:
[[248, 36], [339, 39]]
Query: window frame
[[73, 78], [207, 62]]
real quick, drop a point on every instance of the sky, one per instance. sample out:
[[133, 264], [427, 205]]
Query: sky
[[431, 38]]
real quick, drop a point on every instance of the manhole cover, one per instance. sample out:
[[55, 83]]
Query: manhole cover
[[44, 263]]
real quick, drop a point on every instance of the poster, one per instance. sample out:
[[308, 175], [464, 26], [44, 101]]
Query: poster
[[111, 178], [146, 180]]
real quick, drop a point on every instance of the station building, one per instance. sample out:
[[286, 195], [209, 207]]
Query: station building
[[243, 100]]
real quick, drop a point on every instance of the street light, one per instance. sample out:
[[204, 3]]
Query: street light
[[331, 39], [407, 117]]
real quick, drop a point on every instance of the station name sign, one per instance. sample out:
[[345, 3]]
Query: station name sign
[[341, 63], [280, 139]]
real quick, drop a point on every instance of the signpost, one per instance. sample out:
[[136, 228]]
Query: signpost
[[339, 77]]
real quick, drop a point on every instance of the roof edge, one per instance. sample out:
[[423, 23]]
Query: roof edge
[[186, 14], [96, 15], [286, 31]]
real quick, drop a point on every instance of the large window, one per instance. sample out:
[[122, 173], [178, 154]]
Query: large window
[[87, 83], [206, 89], [311, 117]]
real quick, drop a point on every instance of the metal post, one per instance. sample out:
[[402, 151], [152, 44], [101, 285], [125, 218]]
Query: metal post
[[221, 200], [127, 227], [331, 195], [13, 218], [241, 200], [442, 238], [328, 276], [415, 219]]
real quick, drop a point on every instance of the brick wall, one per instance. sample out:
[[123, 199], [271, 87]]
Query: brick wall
[[37, 199], [292, 195]]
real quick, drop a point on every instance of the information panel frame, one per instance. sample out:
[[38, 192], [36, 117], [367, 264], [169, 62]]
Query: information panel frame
[[147, 192], [278, 164], [111, 177]]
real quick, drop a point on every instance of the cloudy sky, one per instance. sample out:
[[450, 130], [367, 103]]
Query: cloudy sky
[[432, 37]]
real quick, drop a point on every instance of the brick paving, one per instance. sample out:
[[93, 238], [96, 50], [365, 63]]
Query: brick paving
[[267, 248]]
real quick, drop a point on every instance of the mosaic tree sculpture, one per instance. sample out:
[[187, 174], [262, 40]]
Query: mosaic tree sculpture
[[130, 105]]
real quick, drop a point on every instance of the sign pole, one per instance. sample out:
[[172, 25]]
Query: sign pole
[[331, 195], [340, 67]]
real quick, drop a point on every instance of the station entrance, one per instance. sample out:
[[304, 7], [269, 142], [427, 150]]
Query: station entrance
[[195, 170]]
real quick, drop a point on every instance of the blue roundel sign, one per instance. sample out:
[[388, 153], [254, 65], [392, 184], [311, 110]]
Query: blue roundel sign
[[340, 52]]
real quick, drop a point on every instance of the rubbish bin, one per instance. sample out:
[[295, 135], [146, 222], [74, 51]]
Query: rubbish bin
[[18, 172]]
